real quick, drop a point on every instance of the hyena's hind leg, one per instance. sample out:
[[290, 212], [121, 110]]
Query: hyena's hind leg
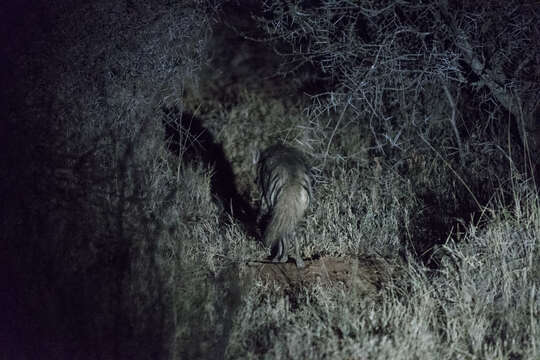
[[299, 262], [263, 216], [280, 251]]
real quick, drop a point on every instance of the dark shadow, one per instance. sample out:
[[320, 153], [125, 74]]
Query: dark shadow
[[243, 50], [68, 252], [191, 142], [440, 217]]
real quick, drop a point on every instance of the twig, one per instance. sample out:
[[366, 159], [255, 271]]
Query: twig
[[453, 122]]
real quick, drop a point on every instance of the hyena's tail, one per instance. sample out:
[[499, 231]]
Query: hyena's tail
[[287, 212]]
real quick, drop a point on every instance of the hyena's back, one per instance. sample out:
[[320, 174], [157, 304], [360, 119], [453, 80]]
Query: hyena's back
[[283, 178]]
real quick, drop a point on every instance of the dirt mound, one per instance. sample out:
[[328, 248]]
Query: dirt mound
[[366, 274]]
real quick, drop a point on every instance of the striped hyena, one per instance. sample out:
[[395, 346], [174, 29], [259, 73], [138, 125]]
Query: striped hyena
[[285, 185]]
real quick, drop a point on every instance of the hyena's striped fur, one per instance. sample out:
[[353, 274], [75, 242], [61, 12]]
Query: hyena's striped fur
[[285, 185]]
